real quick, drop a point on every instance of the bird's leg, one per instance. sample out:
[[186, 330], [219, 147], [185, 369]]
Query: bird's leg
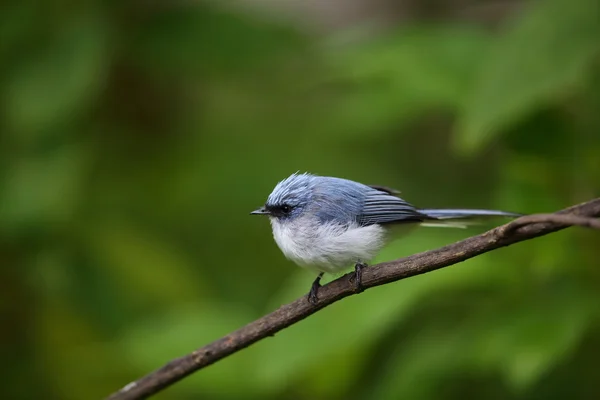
[[314, 290], [358, 267]]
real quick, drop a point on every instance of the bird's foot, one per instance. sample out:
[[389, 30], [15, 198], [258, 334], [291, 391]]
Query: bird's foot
[[358, 267], [313, 295]]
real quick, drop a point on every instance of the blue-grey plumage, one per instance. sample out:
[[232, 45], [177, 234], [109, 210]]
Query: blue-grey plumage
[[327, 224]]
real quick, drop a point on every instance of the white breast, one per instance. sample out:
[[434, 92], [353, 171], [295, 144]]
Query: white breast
[[327, 247]]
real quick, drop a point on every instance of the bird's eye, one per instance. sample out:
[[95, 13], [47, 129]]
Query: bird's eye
[[286, 208]]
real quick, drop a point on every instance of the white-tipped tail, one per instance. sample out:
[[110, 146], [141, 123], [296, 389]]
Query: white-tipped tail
[[465, 213], [460, 218]]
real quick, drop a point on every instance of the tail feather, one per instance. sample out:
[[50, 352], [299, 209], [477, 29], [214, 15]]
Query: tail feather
[[447, 224], [460, 214]]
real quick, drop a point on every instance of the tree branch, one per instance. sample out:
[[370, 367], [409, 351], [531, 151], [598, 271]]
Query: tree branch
[[524, 228]]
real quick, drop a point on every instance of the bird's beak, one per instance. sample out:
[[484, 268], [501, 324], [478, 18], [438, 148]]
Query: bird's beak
[[260, 211]]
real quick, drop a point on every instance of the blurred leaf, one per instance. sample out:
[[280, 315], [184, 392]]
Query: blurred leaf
[[425, 357], [59, 82], [524, 183], [70, 350], [489, 335], [18, 21], [43, 191], [547, 50], [528, 342], [200, 39], [388, 80], [160, 270]]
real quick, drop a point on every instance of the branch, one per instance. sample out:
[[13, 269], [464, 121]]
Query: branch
[[524, 228]]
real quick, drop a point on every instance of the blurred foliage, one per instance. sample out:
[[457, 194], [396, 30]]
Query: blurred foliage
[[136, 137]]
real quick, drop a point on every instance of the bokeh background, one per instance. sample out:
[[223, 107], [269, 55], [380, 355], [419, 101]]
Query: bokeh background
[[135, 138]]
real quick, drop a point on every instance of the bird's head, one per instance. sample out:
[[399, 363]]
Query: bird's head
[[289, 198]]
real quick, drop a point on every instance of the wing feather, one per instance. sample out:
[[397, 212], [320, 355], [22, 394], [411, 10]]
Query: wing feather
[[382, 207]]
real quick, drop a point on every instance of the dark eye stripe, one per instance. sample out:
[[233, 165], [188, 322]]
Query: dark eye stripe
[[280, 209]]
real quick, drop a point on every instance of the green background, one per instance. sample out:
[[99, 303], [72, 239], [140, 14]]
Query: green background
[[136, 137]]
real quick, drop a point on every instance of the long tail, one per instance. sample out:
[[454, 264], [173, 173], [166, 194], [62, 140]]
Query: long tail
[[455, 218]]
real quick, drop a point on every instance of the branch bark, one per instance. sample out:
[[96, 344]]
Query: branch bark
[[524, 228]]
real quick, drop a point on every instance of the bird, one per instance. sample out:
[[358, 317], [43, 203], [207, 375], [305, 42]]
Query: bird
[[327, 224]]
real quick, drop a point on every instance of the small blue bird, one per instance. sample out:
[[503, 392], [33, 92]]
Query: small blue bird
[[328, 224]]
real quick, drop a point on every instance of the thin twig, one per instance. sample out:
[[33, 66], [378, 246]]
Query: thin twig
[[557, 219], [524, 228]]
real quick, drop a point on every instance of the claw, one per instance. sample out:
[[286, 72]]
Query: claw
[[313, 295], [358, 267]]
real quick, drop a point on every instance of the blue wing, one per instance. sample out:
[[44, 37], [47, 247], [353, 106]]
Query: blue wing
[[382, 207]]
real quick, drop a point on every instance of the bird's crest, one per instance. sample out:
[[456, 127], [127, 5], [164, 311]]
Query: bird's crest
[[292, 189]]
